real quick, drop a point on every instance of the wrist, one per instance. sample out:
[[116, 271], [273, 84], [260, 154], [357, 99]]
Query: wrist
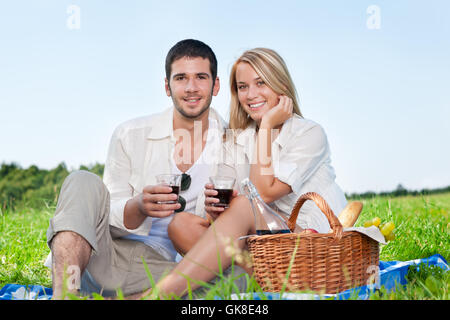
[[265, 124], [134, 213], [140, 205]]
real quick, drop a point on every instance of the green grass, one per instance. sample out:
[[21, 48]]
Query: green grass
[[422, 225], [422, 229], [23, 247]]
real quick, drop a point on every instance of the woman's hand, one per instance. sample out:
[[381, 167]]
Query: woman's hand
[[210, 200], [278, 114]]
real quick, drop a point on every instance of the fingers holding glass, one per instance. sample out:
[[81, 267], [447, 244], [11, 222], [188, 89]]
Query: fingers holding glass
[[223, 187]]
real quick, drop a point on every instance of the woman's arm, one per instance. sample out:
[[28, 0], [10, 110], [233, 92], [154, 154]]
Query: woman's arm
[[261, 168]]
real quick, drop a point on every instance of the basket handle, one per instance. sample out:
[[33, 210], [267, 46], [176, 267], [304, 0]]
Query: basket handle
[[335, 225]]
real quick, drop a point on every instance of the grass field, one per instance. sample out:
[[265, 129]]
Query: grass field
[[422, 229]]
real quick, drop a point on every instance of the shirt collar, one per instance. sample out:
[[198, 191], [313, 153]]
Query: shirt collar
[[162, 125]]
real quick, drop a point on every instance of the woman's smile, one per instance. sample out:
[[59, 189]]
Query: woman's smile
[[257, 105]]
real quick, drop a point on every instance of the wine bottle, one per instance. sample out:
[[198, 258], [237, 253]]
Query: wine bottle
[[267, 221]]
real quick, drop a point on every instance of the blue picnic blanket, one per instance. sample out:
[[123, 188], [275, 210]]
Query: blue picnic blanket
[[391, 273], [22, 292]]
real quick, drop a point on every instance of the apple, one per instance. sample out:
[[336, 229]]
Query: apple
[[310, 231]]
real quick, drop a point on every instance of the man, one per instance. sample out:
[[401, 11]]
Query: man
[[108, 233]]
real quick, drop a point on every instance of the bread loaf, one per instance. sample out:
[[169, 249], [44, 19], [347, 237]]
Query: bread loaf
[[350, 214]]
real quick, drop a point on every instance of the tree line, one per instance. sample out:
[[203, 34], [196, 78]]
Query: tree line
[[400, 191], [35, 187]]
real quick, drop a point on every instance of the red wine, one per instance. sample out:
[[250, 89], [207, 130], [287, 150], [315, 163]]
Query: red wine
[[175, 189], [224, 196], [265, 232]]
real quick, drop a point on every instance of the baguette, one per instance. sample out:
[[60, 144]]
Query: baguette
[[350, 214]]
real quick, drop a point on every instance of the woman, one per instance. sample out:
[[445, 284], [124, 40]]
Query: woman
[[284, 155]]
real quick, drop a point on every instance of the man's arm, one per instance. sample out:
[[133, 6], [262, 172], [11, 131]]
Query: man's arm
[[128, 211], [116, 178], [133, 217]]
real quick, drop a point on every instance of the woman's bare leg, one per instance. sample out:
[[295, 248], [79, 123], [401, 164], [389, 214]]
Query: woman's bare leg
[[201, 262], [185, 230]]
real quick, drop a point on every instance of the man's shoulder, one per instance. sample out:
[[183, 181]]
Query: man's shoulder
[[137, 122], [142, 123]]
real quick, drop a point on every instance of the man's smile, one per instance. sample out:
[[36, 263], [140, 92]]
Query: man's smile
[[192, 100]]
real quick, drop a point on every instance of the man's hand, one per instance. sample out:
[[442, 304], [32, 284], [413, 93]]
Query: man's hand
[[146, 205], [150, 201], [210, 199]]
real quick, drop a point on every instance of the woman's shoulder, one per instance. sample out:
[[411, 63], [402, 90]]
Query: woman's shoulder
[[299, 122], [298, 126]]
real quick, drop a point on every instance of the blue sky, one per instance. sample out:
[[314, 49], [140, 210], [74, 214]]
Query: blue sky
[[382, 95]]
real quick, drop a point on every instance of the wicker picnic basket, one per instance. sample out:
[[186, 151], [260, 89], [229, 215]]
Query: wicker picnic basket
[[323, 262]]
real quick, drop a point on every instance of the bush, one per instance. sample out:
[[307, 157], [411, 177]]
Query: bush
[[34, 187]]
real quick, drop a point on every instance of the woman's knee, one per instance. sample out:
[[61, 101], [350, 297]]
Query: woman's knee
[[185, 229], [240, 211], [240, 206], [185, 223], [240, 200], [178, 220]]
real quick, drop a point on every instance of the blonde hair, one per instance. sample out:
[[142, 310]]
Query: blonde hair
[[273, 71]]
